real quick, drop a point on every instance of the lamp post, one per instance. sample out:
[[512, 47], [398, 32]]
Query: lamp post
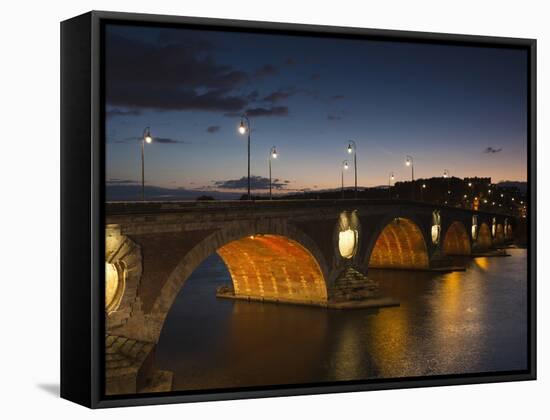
[[447, 175], [345, 167], [390, 179], [246, 129], [422, 192], [410, 162], [272, 154], [352, 148], [146, 138]]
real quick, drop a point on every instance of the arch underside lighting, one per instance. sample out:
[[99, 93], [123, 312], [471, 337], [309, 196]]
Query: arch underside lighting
[[273, 267], [400, 245], [456, 240], [484, 240]]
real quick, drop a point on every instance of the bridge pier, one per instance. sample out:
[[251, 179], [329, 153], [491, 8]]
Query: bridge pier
[[351, 290]]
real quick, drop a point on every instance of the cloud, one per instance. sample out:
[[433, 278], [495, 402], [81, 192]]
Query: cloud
[[333, 117], [290, 61], [116, 112], [492, 150], [337, 97], [178, 73], [315, 76], [256, 183], [167, 140], [161, 140], [279, 95], [118, 181], [213, 129], [266, 70], [252, 96], [276, 111]]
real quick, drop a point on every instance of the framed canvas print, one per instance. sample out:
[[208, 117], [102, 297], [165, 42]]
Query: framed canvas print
[[256, 209]]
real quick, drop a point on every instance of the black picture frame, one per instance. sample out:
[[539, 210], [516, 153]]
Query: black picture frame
[[83, 198]]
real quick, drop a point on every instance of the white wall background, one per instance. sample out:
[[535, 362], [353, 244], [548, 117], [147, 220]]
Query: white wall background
[[29, 191]]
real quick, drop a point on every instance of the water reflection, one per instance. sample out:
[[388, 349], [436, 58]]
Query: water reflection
[[459, 322]]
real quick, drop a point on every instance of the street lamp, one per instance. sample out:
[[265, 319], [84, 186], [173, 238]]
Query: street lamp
[[390, 179], [246, 129], [272, 154], [145, 138], [447, 175], [422, 192], [352, 148], [345, 167], [410, 162]]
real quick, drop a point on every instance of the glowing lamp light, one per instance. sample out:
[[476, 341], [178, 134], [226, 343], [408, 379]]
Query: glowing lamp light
[[408, 162], [469, 184], [347, 242], [242, 128], [112, 285], [435, 233], [436, 227], [147, 137], [474, 227], [274, 154], [423, 185], [350, 149], [346, 166]]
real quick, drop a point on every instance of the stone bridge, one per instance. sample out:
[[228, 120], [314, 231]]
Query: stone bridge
[[315, 252]]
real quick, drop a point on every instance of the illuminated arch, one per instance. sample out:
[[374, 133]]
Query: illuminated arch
[[275, 268], [457, 241], [235, 232], [484, 240], [400, 245]]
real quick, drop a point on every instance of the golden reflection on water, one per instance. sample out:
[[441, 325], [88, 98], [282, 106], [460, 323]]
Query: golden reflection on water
[[458, 316], [390, 339], [482, 263], [459, 322], [278, 336]]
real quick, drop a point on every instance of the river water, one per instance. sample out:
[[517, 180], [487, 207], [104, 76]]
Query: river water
[[459, 322]]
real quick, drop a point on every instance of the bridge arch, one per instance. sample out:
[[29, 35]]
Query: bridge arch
[[273, 267], [457, 240], [484, 241], [400, 244], [258, 244]]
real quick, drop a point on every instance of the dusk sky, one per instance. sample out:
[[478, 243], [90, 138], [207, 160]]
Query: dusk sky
[[458, 108]]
